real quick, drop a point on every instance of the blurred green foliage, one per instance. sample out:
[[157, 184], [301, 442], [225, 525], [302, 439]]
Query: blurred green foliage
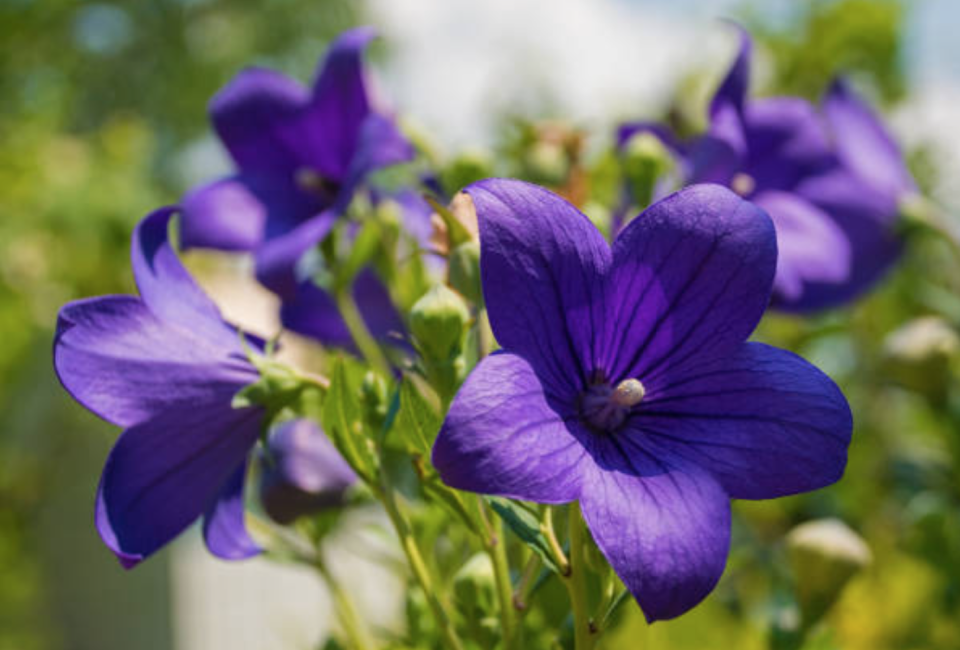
[[102, 105]]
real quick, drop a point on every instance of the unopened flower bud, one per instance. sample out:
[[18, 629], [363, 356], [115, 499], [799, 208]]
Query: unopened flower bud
[[302, 473], [645, 161], [375, 398], [438, 322], [463, 271], [468, 167], [473, 584], [824, 555], [918, 355]]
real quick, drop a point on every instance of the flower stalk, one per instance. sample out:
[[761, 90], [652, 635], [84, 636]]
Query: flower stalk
[[576, 582]]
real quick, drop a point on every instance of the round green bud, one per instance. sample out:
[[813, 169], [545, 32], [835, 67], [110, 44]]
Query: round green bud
[[463, 271], [919, 355], [438, 322], [824, 555]]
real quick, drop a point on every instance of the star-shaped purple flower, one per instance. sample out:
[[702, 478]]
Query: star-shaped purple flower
[[831, 181], [165, 366], [300, 155], [625, 381]]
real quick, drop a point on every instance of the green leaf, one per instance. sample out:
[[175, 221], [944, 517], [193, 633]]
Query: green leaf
[[526, 525], [342, 422], [416, 424], [362, 250]]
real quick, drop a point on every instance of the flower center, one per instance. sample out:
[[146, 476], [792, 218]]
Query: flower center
[[743, 184], [313, 183], [604, 407]]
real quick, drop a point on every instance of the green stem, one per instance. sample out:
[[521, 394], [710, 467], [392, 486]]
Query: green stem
[[522, 593], [361, 335], [556, 551], [417, 565], [495, 545], [346, 612], [577, 582]]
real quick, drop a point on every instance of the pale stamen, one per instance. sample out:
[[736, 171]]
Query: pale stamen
[[743, 184], [605, 408]]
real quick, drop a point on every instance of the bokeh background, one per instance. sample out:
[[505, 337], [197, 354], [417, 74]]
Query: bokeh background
[[103, 117]]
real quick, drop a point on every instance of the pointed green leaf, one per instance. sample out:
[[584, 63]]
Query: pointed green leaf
[[526, 525]]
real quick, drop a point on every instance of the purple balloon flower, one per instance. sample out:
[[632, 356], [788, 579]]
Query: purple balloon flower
[[830, 180], [625, 381], [302, 473], [300, 155], [165, 366]]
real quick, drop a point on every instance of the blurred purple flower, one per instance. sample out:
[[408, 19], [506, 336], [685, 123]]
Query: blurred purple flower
[[831, 181], [313, 312], [300, 156], [625, 381], [302, 473], [165, 366]]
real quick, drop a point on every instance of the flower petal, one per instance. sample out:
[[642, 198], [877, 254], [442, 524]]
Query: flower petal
[[224, 214], [277, 258], [256, 116], [166, 286], [542, 268], [313, 312], [339, 105], [763, 421], [812, 249], [726, 107], [224, 530], [504, 435], [662, 523], [868, 220], [692, 273], [114, 356], [166, 472], [863, 144], [787, 142]]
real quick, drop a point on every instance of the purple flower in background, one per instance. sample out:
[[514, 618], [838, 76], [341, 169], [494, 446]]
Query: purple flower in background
[[313, 312], [300, 155], [830, 180], [302, 473], [625, 381], [165, 366]]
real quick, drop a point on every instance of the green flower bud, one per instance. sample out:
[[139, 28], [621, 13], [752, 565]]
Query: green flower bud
[[645, 161], [919, 355], [375, 397], [468, 167], [824, 555], [474, 583], [547, 162], [463, 271], [438, 322]]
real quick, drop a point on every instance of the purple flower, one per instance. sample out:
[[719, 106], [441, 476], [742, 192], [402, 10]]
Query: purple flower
[[302, 473], [313, 312], [300, 155], [625, 381], [830, 180], [165, 366]]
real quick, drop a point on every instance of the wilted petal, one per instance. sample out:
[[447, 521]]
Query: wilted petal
[[542, 267], [662, 522], [224, 214], [863, 144], [164, 473], [256, 117], [692, 273], [763, 421], [503, 435], [224, 530], [812, 248], [114, 356]]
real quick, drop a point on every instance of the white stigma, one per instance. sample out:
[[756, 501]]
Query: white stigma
[[628, 393], [743, 184], [310, 181]]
